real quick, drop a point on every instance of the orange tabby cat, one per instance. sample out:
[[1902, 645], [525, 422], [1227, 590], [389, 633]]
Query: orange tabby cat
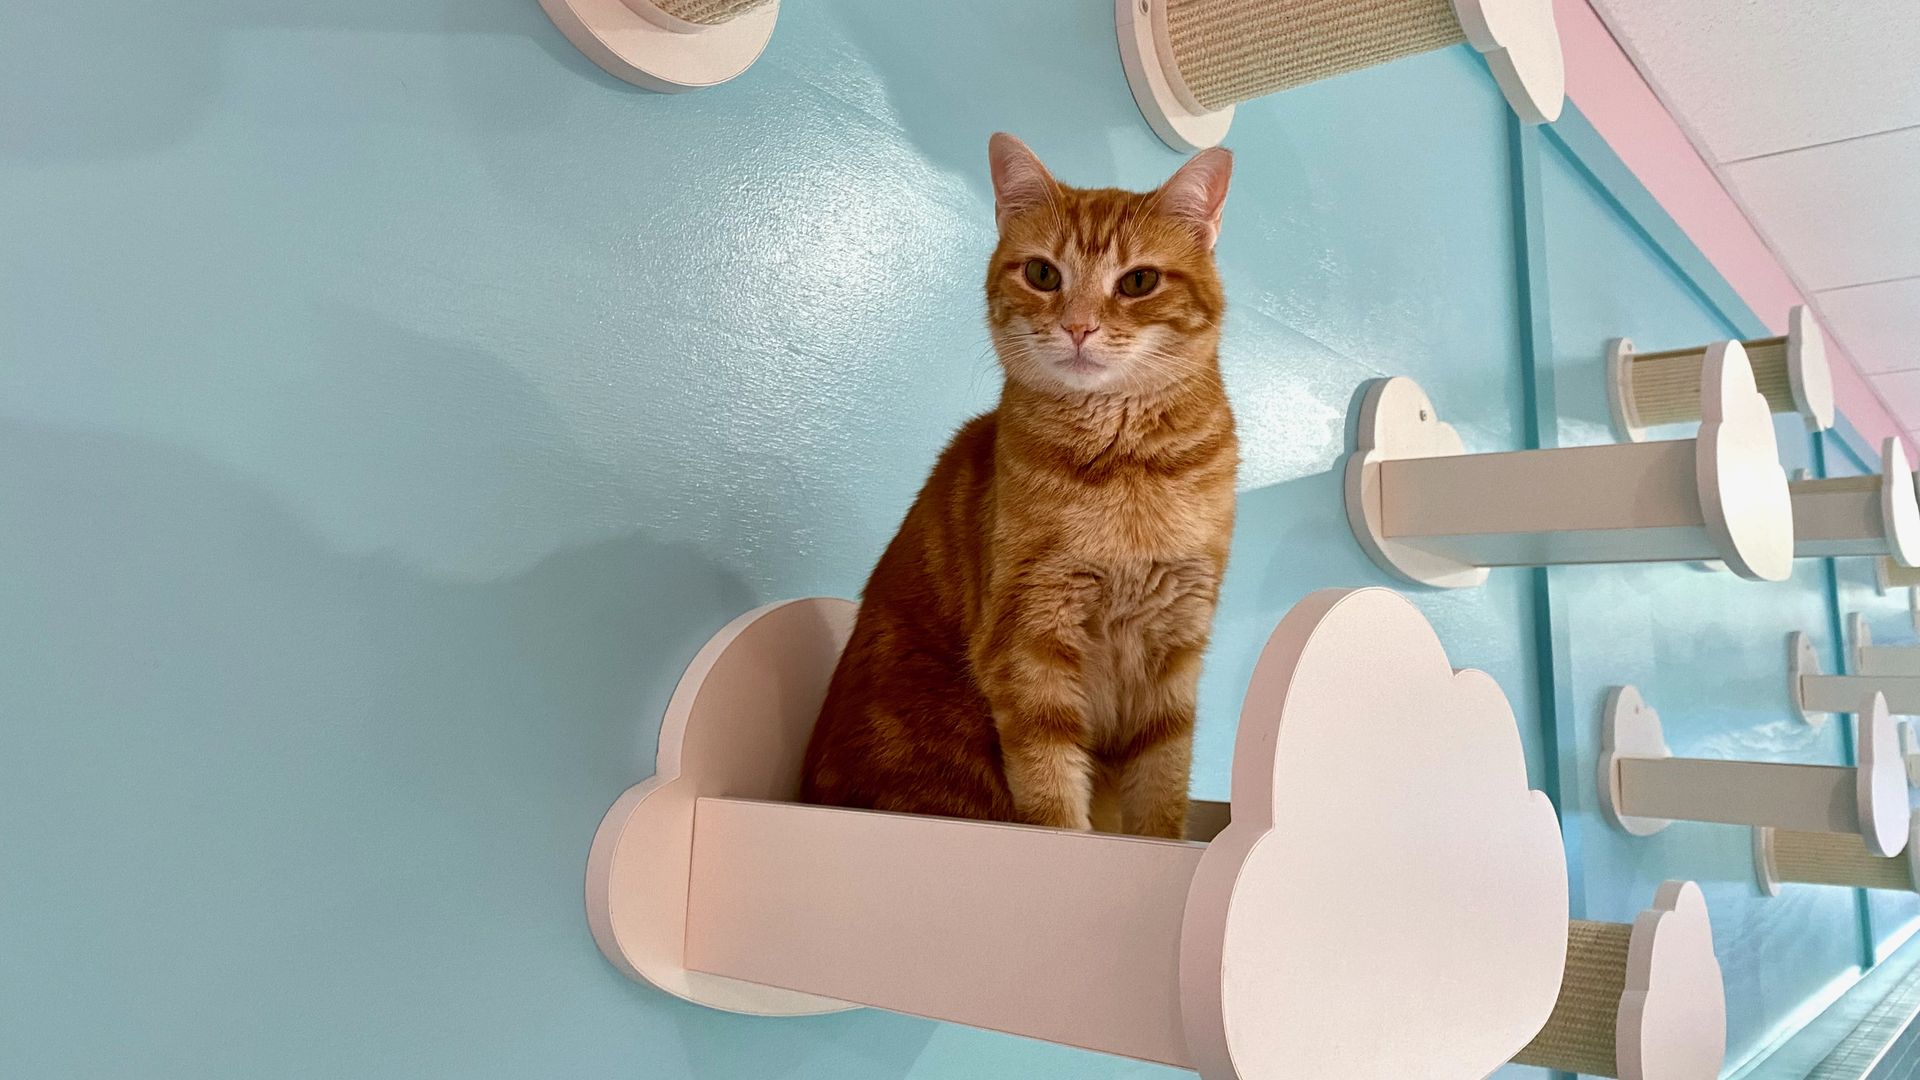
[[1028, 646]]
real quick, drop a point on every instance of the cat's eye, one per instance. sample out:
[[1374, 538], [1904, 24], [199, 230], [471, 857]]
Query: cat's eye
[[1139, 281], [1042, 275]]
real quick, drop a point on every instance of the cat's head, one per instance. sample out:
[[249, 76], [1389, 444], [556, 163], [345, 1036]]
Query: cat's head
[[1100, 290]]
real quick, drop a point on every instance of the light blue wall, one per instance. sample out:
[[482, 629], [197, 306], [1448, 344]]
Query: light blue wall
[[1706, 648], [391, 403]]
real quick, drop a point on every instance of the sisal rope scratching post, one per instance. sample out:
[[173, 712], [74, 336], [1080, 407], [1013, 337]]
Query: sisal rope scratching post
[[1581, 1036], [1641, 999], [1666, 385], [707, 12], [1649, 389], [1815, 858], [667, 45], [1834, 859], [1229, 51], [1189, 62]]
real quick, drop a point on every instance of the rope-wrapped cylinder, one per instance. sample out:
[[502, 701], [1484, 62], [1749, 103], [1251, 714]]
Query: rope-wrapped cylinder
[[1812, 858], [1790, 371], [1581, 1035], [1666, 385], [1229, 51], [707, 12]]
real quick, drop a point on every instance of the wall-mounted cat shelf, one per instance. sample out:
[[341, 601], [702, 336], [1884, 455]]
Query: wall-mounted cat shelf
[[667, 45], [1814, 694], [1644, 788], [1190, 62], [1364, 767], [1866, 658], [1641, 999], [1887, 661], [1860, 515], [1890, 575], [1782, 856], [1647, 389], [1431, 513]]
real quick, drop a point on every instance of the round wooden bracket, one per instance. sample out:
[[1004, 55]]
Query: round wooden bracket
[[1807, 373], [1397, 421], [636, 41], [737, 725], [1157, 87], [1743, 490], [1521, 44], [1620, 391], [1672, 1023], [1802, 660], [1899, 503], [1629, 729], [1881, 780]]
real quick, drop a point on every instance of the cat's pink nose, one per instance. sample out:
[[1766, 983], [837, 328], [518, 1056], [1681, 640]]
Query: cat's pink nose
[[1080, 332]]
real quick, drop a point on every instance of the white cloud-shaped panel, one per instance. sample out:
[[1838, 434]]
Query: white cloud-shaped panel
[[1807, 373], [1522, 46], [1899, 503], [1382, 823], [1673, 1017], [1743, 491]]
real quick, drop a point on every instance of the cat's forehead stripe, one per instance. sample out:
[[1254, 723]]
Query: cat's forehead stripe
[[1102, 225]]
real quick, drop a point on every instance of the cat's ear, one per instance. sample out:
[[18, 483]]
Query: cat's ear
[[1020, 182], [1198, 191]]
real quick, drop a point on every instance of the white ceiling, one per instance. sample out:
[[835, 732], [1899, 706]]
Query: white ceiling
[[1809, 110]]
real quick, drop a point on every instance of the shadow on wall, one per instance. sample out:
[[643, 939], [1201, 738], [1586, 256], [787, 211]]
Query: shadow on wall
[[73, 69], [1063, 63], [331, 790]]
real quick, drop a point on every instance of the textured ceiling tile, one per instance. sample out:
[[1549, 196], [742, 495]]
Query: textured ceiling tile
[[1879, 325], [1756, 78], [1839, 215], [1902, 394]]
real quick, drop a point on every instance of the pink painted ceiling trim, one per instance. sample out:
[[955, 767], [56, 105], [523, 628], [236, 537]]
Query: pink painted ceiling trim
[[1614, 97]]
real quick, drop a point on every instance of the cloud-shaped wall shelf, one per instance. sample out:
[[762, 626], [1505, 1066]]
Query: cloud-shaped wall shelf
[[1649, 389], [1890, 575], [1365, 769], [1860, 515], [1870, 659], [667, 45], [1815, 695], [1644, 788], [1642, 1001], [1189, 62], [1420, 506], [1782, 856]]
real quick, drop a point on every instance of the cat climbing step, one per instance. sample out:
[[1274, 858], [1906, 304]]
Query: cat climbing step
[[1429, 512], [1650, 389], [1790, 856], [1364, 767], [1815, 694], [1189, 62], [1643, 788], [1642, 999]]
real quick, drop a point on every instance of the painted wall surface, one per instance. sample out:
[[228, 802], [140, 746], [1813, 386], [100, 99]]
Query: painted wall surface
[[1890, 621], [391, 403], [1706, 648]]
